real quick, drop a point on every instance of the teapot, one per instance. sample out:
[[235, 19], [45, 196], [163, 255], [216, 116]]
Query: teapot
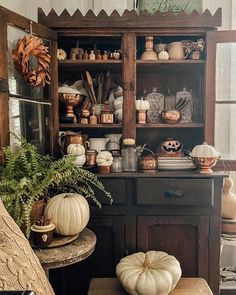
[[70, 137]]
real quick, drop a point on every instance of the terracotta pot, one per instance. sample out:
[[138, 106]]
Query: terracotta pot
[[104, 169]]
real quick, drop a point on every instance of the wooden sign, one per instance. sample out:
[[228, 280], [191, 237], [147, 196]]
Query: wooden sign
[[174, 6]]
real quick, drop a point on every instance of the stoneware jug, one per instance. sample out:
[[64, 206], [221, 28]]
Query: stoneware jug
[[176, 51], [98, 143]]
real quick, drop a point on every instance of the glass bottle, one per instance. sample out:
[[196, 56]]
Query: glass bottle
[[92, 55], [169, 100], [129, 158], [117, 163]]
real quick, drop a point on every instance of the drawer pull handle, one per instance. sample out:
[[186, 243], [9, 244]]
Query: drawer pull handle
[[174, 194]]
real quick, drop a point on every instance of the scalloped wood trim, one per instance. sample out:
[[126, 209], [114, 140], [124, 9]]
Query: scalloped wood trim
[[130, 19]]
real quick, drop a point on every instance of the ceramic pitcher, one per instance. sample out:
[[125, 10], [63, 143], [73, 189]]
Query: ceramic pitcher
[[176, 51], [97, 143]]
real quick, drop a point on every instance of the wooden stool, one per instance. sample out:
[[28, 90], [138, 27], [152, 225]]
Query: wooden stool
[[185, 286]]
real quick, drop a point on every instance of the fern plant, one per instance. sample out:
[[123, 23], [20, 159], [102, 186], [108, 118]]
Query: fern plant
[[28, 176]]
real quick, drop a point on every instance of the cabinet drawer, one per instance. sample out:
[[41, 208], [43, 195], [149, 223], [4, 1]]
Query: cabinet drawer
[[190, 192], [117, 188]]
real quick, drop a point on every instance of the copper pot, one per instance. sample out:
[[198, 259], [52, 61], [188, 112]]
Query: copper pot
[[148, 163]]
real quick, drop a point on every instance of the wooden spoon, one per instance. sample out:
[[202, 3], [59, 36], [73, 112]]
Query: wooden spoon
[[107, 85], [90, 83], [100, 81], [87, 88]]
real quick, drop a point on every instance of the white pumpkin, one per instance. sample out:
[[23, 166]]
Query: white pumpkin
[[142, 104], [61, 54], [69, 212], [163, 55], [150, 273], [104, 158], [204, 151], [75, 149], [80, 160]]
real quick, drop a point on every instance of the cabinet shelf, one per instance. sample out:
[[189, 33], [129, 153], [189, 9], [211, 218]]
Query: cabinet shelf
[[82, 65], [71, 62], [90, 126], [181, 125], [184, 61]]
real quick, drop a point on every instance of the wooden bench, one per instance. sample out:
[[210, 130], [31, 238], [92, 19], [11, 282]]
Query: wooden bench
[[186, 286]]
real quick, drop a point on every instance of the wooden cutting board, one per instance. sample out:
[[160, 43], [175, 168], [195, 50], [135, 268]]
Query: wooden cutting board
[[186, 286]]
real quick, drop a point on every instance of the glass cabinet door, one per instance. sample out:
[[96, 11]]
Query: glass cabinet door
[[25, 109], [221, 95], [29, 106]]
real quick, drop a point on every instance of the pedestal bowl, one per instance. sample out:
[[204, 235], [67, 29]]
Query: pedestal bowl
[[71, 100], [204, 164]]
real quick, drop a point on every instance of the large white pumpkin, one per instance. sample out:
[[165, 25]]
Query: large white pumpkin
[[150, 273], [69, 212]]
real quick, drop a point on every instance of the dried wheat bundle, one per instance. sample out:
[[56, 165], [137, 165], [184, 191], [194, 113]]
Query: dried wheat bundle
[[26, 48]]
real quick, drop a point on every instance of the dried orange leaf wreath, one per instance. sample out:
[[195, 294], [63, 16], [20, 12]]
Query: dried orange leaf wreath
[[27, 47]]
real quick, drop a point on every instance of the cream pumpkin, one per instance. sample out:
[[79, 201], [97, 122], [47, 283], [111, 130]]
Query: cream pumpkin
[[104, 158], [163, 55], [205, 151], [69, 212], [150, 273], [75, 149]]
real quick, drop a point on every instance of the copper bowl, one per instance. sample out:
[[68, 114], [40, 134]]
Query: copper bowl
[[171, 117], [71, 100], [204, 164]]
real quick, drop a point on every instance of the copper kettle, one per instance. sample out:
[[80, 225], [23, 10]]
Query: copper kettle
[[70, 137], [148, 163]]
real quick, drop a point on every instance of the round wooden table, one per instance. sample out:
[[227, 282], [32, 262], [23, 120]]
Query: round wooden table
[[73, 252]]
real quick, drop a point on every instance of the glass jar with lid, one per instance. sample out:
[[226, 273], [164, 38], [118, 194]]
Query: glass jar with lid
[[129, 156]]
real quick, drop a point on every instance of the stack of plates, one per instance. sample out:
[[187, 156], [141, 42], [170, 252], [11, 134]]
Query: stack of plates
[[178, 163]]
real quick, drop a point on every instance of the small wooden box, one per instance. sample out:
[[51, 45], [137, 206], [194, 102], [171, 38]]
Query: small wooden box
[[186, 286]]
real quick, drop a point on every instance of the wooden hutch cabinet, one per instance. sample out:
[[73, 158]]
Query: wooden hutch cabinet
[[176, 212], [173, 211]]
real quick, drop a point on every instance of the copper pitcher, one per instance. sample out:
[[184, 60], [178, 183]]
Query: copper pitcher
[[70, 137]]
